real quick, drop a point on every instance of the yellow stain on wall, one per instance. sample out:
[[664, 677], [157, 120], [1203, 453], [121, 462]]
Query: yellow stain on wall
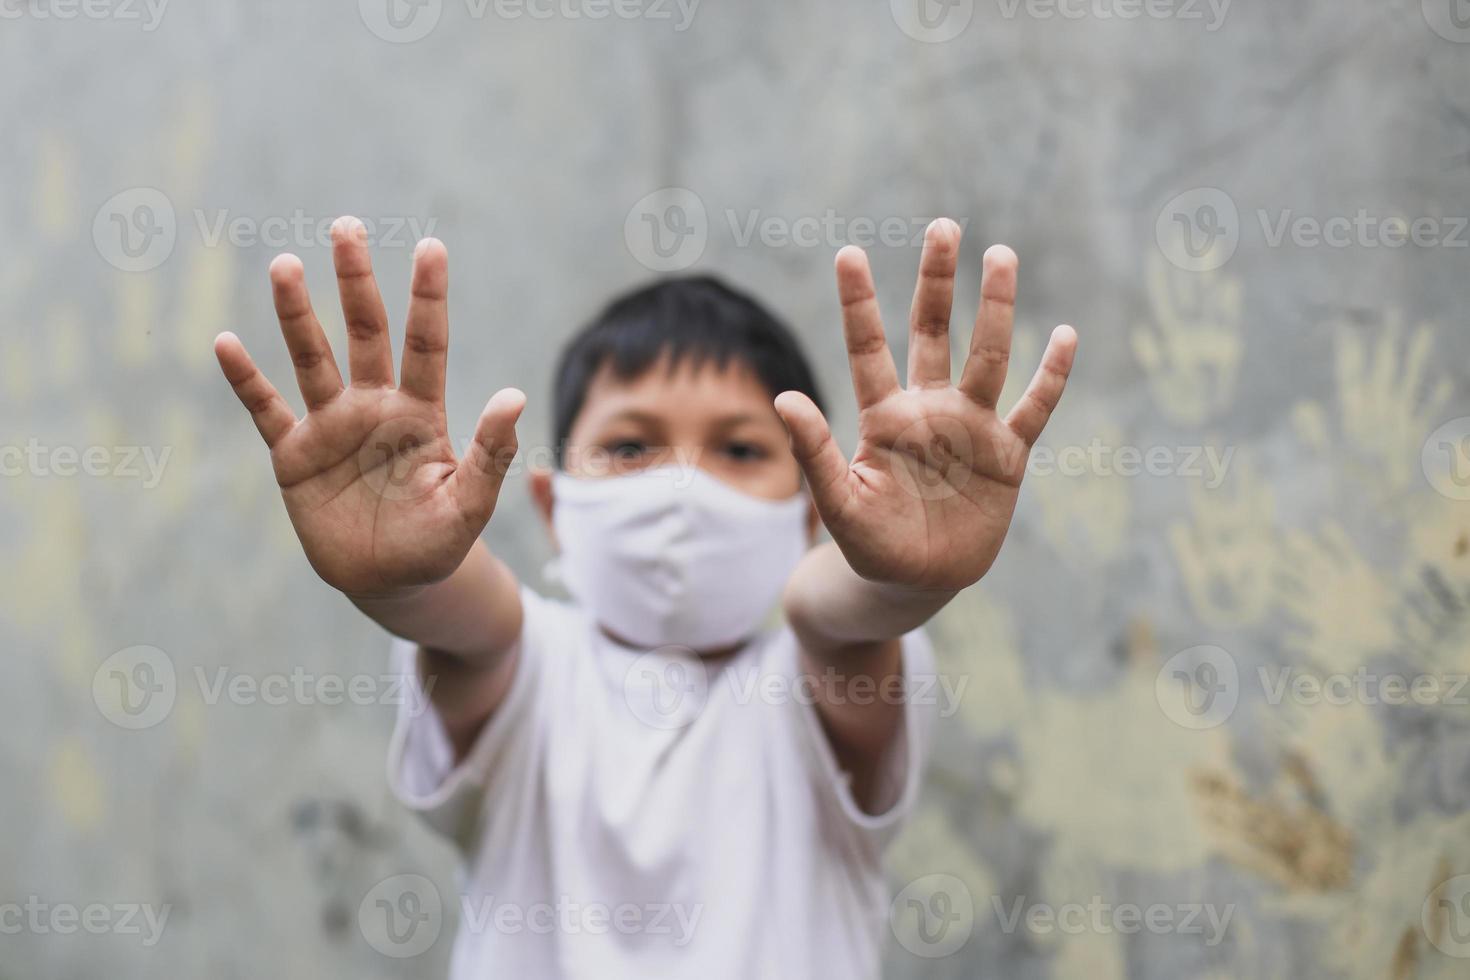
[[77, 646], [180, 437], [68, 351], [930, 845], [38, 584], [206, 307], [1227, 555], [1366, 932], [1338, 599], [190, 138], [975, 641], [75, 785], [18, 367], [1191, 352], [1387, 404], [18, 381], [55, 194], [1087, 761], [1086, 517], [136, 311], [1067, 877]]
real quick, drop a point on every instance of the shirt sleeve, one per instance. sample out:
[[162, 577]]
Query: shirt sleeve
[[901, 769], [459, 800]]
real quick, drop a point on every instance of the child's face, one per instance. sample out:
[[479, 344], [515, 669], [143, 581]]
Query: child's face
[[720, 420]]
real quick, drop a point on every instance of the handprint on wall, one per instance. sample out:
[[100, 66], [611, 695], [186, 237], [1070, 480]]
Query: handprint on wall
[[1337, 599], [1227, 555], [1191, 350], [1086, 517], [1387, 404]]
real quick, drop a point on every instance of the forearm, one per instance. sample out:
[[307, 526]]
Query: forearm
[[472, 616], [833, 610]]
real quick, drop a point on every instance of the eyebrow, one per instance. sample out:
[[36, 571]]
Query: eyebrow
[[650, 418]]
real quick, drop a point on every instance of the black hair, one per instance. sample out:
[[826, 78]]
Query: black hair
[[695, 318]]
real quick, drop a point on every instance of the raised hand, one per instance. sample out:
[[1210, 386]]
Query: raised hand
[[370, 480], [927, 498]]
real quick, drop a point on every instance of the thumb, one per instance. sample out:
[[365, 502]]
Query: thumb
[[477, 479], [815, 450]]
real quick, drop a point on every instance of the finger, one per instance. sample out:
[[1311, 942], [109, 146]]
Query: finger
[[816, 451], [272, 416], [426, 343], [990, 345], [933, 299], [477, 480], [873, 375], [316, 369], [369, 352], [1029, 415]]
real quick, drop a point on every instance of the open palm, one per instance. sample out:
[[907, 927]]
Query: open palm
[[928, 496], [369, 477]]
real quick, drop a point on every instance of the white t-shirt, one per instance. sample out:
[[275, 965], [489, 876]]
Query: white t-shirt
[[640, 814]]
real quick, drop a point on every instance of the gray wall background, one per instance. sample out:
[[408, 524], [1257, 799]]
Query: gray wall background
[[1329, 379]]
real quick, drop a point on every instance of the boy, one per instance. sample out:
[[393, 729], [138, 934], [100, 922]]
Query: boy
[[660, 786]]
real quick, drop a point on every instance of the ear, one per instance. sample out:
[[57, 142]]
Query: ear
[[541, 496]]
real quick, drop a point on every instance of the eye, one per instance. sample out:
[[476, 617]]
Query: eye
[[744, 452], [627, 448]]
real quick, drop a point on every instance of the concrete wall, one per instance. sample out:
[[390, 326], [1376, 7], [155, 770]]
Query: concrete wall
[[1117, 744]]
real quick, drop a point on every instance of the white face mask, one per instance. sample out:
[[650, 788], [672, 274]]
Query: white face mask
[[671, 555]]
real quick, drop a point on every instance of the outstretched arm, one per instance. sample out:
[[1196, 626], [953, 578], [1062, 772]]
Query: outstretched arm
[[921, 510], [383, 508]]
